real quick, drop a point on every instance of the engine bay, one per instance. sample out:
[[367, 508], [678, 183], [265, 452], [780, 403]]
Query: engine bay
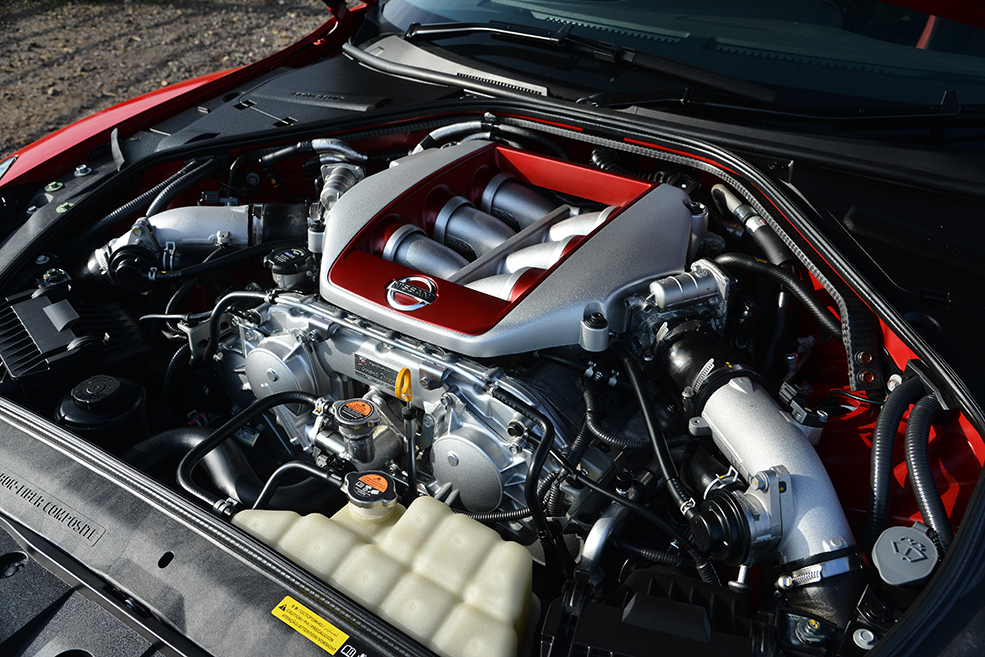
[[621, 403]]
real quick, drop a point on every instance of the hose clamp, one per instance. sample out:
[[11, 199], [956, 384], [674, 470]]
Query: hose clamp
[[820, 571]]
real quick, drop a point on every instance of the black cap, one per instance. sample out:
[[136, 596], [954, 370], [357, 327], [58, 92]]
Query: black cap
[[96, 392], [294, 260]]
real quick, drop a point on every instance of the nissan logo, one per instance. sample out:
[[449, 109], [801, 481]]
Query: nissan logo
[[411, 293]]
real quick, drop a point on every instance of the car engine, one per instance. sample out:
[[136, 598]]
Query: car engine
[[617, 361]]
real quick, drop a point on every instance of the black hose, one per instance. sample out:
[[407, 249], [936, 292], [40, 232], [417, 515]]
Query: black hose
[[918, 465], [132, 206], [552, 549], [176, 187], [796, 286], [656, 556], [224, 261], [523, 512], [220, 307], [592, 422], [228, 469], [662, 451], [706, 570], [769, 243], [181, 355], [881, 459], [410, 433], [274, 481], [197, 453]]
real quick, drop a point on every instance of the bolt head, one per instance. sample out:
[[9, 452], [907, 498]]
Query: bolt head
[[53, 186], [425, 382], [64, 207], [82, 170], [272, 375], [32, 209], [453, 459], [865, 639], [41, 260]]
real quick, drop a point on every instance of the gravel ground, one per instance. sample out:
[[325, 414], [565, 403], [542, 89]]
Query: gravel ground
[[65, 60]]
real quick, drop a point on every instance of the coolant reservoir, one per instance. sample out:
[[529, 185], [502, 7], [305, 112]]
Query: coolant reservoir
[[443, 578]]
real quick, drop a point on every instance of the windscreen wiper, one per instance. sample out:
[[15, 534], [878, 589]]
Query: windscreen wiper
[[607, 52]]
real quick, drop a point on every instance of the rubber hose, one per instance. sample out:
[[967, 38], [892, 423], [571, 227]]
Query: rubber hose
[[228, 469], [918, 465], [220, 307], [197, 453], [176, 187], [769, 242], [181, 355], [662, 451], [592, 422], [133, 206], [230, 258], [538, 518], [796, 286], [273, 483], [573, 454], [881, 459], [706, 570], [449, 132], [656, 556]]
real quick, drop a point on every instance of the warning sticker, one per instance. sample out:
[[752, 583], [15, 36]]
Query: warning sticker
[[375, 481], [312, 626], [359, 408]]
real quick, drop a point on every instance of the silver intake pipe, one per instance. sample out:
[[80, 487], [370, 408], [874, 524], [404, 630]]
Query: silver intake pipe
[[514, 204], [757, 435], [411, 247], [468, 230], [581, 224], [541, 256]]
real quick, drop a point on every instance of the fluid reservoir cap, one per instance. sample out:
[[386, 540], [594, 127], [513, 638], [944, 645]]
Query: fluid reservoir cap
[[905, 555], [370, 490], [96, 392], [355, 415], [289, 261]]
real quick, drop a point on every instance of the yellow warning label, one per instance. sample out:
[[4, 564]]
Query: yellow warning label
[[314, 628], [374, 481]]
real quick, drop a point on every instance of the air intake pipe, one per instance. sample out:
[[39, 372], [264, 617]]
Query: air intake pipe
[[789, 510]]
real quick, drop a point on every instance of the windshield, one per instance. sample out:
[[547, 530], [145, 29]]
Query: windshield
[[814, 53]]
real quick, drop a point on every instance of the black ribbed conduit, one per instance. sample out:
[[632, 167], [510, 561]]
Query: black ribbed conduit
[[660, 448], [198, 452], [552, 550], [515, 514], [656, 556], [608, 160], [133, 206], [796, 286], [592, 422], [705, 568], [918, 465], [173, 189], [881, 459]]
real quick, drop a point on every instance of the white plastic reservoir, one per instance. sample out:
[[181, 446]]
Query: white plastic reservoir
[[443, 578]]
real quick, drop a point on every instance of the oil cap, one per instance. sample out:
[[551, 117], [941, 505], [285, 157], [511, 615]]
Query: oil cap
[[905, 555], [291, 269], [372, 495]]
